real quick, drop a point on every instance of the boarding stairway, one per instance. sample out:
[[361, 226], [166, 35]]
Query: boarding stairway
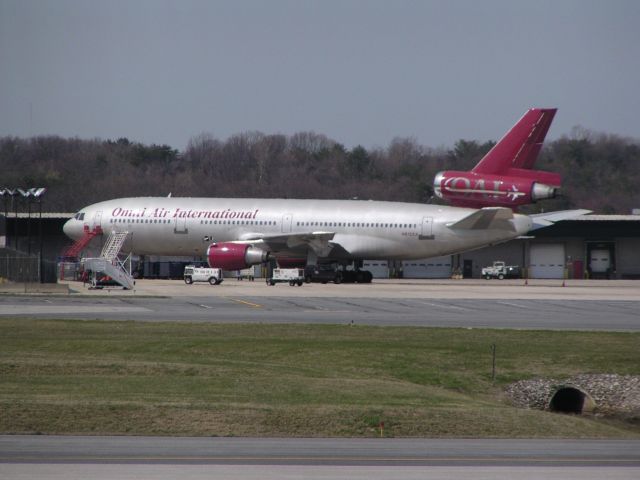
[[74, 250], [109, 262]]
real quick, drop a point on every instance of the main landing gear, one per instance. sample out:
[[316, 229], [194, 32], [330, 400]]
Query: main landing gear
[[325, 273]]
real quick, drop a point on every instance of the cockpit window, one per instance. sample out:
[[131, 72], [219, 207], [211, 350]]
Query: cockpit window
[[79, 216]]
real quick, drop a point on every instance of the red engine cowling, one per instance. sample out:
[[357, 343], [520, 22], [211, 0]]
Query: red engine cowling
[[234, 256], [468, 189]]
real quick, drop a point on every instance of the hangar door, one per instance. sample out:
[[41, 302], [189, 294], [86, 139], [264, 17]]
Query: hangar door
[[600, 261], [378, 268], [437, 267], [546, 260]]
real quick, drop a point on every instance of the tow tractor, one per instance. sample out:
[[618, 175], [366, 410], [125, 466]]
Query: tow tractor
[[325, 273], [500, 270]]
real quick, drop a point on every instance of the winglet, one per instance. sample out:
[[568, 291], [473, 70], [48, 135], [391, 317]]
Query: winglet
[[520, 147]]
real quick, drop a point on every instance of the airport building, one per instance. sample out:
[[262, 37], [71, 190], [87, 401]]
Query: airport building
[[591, 246]]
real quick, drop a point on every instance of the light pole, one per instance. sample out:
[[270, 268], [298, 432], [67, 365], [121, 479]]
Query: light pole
[[6, 193], [29, 194]]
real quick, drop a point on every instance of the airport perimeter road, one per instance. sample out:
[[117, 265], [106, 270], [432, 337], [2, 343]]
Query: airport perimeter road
[[367, 306], [319, 451], [269, 459]]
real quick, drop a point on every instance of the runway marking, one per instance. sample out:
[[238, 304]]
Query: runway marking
[[327, 311], [514, 305], [244, 302], [512, 461], [455, 307], [71, 309], [205, 306]]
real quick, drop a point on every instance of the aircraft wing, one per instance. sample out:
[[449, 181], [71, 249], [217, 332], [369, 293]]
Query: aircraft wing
[[485, 218], [541, 220], [319, 242]]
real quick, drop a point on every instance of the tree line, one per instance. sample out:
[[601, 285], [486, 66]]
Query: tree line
[[600, 172]]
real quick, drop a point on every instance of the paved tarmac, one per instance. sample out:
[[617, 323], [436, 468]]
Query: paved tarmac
[[305, 472], [318, 451], [270, 458], [579, 305], [389, 288]]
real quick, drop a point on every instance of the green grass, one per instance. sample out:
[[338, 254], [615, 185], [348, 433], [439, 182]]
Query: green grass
[[63, 376]]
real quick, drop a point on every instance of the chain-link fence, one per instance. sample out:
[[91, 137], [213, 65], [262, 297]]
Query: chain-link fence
[[17, 267]]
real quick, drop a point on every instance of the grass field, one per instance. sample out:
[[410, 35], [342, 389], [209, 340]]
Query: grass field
[[82, 377]]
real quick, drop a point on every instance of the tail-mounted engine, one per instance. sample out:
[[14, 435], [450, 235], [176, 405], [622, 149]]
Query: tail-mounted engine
[[468, 189]]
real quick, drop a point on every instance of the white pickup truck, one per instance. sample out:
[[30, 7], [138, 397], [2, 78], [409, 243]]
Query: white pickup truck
[[501, 271], [293, 276], [200, 274]]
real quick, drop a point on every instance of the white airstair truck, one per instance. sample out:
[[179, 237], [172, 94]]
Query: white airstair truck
[[108, 264]]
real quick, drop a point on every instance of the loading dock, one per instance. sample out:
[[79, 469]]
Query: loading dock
[[436, 267], [547, 260]]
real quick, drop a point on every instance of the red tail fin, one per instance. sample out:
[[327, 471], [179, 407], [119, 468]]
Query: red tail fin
[[519, 148]]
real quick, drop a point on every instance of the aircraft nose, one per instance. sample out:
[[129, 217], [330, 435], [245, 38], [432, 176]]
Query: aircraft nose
[[71, 228]]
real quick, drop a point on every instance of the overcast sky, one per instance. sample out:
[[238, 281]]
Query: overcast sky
[[360, 72]]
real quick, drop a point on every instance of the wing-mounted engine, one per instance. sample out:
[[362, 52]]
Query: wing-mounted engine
[[470, 189], [235, 256]]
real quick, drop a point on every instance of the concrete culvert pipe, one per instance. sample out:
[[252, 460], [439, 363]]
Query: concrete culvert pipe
[[571, 399]]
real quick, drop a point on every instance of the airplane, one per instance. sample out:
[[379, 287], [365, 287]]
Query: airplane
[[505, 176], [236, 233]]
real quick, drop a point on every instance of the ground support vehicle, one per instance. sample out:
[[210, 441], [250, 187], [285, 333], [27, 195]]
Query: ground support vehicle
[[325, 273], [198, 274], [292, 276], [501, 271]]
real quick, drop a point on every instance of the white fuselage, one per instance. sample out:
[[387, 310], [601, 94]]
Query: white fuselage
[[361, 229]]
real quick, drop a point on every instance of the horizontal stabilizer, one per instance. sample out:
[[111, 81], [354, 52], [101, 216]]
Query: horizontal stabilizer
[[484, 219], [541, 220]]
